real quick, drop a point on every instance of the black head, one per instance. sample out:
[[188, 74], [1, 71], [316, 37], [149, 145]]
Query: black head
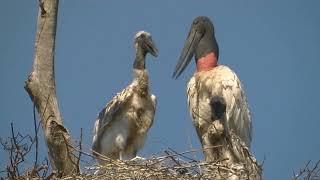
[[200, 41], [143, 40]]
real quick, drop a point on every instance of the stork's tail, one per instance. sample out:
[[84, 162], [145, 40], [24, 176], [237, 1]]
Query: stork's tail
[[218, 105]]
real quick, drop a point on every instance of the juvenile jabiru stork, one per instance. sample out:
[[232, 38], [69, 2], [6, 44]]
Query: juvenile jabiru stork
[[212, 81], [121, 128]]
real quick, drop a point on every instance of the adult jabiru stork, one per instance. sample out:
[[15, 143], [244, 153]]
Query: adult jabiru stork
[[121, 128], [212, 83]]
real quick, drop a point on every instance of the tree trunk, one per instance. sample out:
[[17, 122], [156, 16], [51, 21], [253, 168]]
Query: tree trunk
[[40, 85]]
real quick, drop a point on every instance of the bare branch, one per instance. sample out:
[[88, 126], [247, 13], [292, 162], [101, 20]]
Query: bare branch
[[35, 135], [40, 86], [80, 150]]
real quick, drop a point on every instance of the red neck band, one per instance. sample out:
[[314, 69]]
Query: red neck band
[[207, 62]]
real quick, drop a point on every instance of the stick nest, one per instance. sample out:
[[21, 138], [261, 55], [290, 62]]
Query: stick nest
[[171, 166]]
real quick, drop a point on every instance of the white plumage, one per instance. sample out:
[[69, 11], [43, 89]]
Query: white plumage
[[223, 82]]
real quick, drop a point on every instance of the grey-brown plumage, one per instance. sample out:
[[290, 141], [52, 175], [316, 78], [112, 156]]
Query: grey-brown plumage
[[121, 127]]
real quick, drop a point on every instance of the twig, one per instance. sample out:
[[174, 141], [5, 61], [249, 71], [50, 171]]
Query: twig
[[193, 160], [306, 173], [44, 174], [190, 144], [36, 135], [171, 157], [19, 147], [80, 150], [192, 151], [17, 150]]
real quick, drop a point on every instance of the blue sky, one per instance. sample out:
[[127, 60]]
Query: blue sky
[[273, 47]]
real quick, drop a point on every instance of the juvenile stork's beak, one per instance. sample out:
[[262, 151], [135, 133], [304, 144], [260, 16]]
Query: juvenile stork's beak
[[149, 45], [188, 50]]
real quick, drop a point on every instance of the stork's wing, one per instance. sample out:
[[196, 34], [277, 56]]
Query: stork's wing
[[107, 114], [223, 82], [154, 107], [193, 102], [238, 114]]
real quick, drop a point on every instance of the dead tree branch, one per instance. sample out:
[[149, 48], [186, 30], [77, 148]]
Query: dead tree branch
[[40, 86]]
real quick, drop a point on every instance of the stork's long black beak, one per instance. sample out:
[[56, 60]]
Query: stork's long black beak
[[188, 51], [150, 47]]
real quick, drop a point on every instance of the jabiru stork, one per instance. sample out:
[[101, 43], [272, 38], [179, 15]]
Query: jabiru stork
[[121, 127], [212, 86]]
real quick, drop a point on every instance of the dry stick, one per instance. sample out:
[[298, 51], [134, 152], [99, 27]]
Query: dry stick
[[317, 173], [302, 170], [177, 162], [316, 166], [36, 140], [80, 149], [101, 157], [172, 158], [193, 160], [192, 151], [44, 174], [311, 174], [9, 171], [36, 135], [20, 153], [194, 154], [181, 154], [17, 149], [11, 153], [190, 144], [23, 138]]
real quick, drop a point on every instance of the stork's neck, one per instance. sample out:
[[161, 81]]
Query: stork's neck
[[140, 60], [141, 81], [207, 62]]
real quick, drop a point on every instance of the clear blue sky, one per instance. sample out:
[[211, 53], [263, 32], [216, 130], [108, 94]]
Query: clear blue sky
[[273, 46]]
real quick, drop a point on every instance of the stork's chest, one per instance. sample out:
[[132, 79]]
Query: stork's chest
[[141, 106], [140, 111], [139, 101], [215, 80], [220, 81]]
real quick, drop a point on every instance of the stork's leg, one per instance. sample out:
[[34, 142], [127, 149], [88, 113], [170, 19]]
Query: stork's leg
[[213, 140], [209, 150]]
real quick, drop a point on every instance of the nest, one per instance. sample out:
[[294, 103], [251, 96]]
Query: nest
[[171, 166]]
